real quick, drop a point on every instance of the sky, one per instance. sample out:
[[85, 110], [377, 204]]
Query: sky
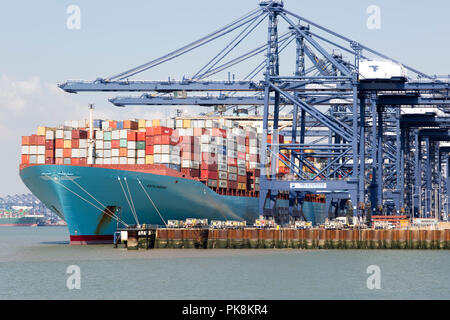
[[38, 51]]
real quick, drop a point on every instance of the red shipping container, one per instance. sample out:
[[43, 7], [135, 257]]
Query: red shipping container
[[49, 160], [75, 134], [25, 159], [164, 139], [216, 132], [232, 184], [34, 140], [209, 167], [83, 134], [149, 131], [232, 162], [67, 153], [131, 136], [149, 140], [242, 179], [163, 131], [113, 124], [75, 143], [82, 161], [59, 160], [115, 144], [49, 144], [75, 161], [25, 140], [194, 173], [148, 149], [41, 140], [206, 174], [209, 157], [49, 153], [59, 143], [140, 136]]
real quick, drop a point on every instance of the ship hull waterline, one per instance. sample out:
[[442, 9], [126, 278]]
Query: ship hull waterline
[[80, 194]]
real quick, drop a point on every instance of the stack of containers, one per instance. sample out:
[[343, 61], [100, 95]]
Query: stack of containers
[[221, 153], [79, 147], [166, 150], [252, 144], [115, 146]]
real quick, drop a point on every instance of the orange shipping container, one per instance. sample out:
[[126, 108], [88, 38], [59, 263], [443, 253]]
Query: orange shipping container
[[59, 143], [25, 140], [140, 136], [25, 159], [67, 153], [131, 136], [123, 152]]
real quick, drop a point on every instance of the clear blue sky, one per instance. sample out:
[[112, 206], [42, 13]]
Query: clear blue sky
[[37, 50]]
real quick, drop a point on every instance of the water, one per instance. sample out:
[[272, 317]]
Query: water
[[34, 260]]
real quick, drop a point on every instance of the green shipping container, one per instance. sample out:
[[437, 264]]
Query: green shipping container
[[140, 145], [107, 135]]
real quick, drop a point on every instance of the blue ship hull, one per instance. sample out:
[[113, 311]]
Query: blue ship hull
[[79, 195]]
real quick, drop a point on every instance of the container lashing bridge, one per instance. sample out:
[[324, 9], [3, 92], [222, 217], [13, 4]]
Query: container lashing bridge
[[377, 151]]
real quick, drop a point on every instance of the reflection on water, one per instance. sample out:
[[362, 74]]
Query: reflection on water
[[33, 264]]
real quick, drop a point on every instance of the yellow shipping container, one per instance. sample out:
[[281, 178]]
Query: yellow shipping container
[[149, 159], [142, 123], [186, 123], [41, 131], [404, 223], [155, 123], [67, 144]]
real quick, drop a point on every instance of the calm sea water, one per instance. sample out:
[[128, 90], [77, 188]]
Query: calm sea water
[[34, 261]]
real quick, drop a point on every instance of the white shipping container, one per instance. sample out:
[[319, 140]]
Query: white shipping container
[[115, 135], [25, 149], [107, 161], [41, 159], [98, 144], [131, 153], [114, 152], [189, 131], [253, 165], [99, 153], [253, 150], [223, 184], [222, 175], [33, 149], [41, 150], [209, 148], [179, 123], [157, 158], [222, 167], [241, 163], [232, 169], [107, 145], [67, 135], [99, 135], [83, 152], [241, 148], [253, 143], [33, 159], [131, 161], [49, 135], [140, 160], [75, 153], [231, 153], [123, 134], [132, 145], [123, 160], [74, 124], [115, 160], [107, 153], [191, 164], [242, 172], [157, 148], [83, 143], [59, 153], [98, 160], [59, 134], [141, 154], [381, 70]]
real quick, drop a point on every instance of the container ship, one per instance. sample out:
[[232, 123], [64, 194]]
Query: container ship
[[102, 174], [18, 218]]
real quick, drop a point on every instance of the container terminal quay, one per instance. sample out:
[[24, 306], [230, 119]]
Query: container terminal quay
[[349, 148]]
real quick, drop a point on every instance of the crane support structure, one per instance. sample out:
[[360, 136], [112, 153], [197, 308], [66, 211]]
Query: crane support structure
[[383, 139]]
